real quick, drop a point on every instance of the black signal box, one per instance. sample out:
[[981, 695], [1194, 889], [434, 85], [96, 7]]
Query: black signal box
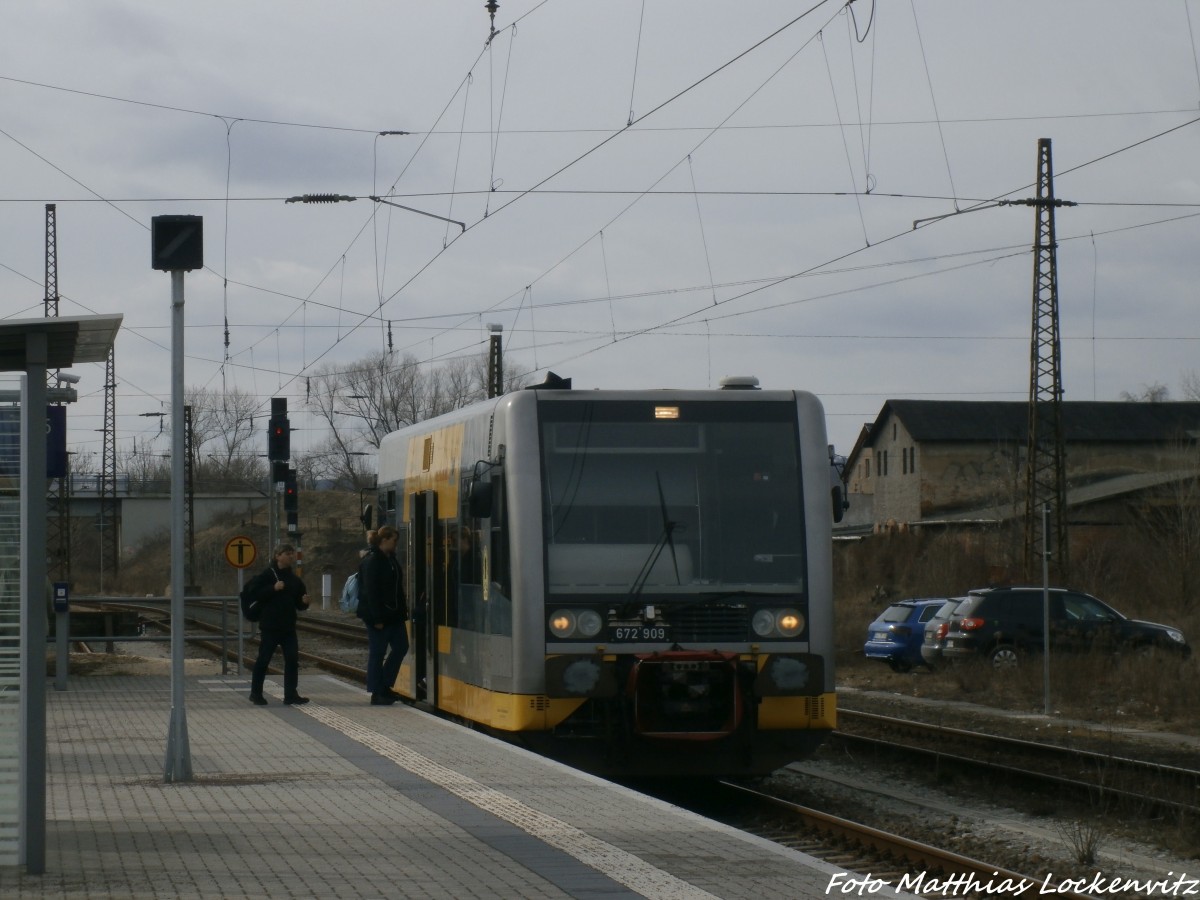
[[177, 243], [279, 441]]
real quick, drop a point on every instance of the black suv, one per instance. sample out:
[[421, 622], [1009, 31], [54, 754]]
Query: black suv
[[1002, 624]]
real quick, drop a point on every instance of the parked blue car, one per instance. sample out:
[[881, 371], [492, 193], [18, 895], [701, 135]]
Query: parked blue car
[[897, 634]]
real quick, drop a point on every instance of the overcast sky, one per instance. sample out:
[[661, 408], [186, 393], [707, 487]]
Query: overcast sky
[[653, 193]]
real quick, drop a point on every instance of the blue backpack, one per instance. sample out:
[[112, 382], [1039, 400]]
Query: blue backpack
[[349, 601]]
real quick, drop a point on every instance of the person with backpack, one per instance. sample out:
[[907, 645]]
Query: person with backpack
[[349, 601], [383, 608], [276, 594]]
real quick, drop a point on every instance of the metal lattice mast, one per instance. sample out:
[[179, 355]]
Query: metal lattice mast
[[51, 262], [1045, 473], [110, 527], [495, 367], [58, 490]]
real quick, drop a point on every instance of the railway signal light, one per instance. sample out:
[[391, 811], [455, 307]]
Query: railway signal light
[[291, 496], [279, 432], [279, 440]]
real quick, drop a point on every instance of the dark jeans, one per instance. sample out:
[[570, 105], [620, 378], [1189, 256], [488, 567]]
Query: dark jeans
[[268, 640], [386, 648]]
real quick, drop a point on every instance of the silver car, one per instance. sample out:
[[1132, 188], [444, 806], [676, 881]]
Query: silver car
[[935, 633]]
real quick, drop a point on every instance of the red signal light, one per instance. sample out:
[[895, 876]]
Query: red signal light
[[291, 497], [279, 440]]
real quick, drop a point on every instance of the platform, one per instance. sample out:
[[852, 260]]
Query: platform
[[339, 798]]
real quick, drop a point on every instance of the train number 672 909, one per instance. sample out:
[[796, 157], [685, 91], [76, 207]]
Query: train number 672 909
[[640, 633]]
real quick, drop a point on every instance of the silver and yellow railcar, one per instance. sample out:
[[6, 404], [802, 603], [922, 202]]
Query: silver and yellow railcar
[[636, 581]]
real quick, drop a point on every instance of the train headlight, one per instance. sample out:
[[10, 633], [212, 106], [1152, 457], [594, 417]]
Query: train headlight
[[780, 623], [790, 623], [562, 623], [763, 623], [575, 623], [590, 623]]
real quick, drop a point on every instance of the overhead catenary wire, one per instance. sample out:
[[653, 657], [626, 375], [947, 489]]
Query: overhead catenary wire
[[1016, 252], [710, 132], [1187, 11], [454, 176], [703, 238], [141, 331], [933, 100], [637, 53], [845, 144], [643, 128], [494, 141], [541, 295], [608, 286], [521, 194], [677, 319], [864, 122]]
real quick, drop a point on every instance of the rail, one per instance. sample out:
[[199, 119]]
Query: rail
[[63, 633], [1151, 788], [925, 869]]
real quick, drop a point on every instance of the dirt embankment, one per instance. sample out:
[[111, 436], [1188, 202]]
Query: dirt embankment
[[330, 536]]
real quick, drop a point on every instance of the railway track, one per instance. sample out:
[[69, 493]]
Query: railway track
[[870, 861], [1104, 780], [341, 638]]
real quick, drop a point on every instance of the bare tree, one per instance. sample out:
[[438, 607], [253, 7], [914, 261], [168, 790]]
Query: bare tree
[[144, 464], [382, 393], [516, 376], [223, 437], [1191, 385], [334, 462], [1150, 393], [83, 464]]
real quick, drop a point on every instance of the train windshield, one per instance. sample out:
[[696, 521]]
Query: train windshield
[[670, 498]]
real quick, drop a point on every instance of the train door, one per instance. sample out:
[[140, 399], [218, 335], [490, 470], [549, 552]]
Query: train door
[[428, 602]]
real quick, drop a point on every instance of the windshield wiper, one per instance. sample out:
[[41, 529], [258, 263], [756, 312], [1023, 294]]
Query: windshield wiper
[[665, 540]]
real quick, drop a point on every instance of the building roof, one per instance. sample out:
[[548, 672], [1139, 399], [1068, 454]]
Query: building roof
[[68, 340], [1083, 421]]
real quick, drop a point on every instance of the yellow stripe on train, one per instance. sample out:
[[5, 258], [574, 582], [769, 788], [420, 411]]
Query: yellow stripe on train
[[780, 713], [504, 712]]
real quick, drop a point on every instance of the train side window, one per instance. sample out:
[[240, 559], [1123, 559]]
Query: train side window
[[499, 576], [463, 570]]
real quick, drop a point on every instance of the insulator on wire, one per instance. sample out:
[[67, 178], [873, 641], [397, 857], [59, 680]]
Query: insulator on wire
[[320, 198]]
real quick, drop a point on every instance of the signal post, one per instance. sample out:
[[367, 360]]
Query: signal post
[[283, 478], [177, 246]]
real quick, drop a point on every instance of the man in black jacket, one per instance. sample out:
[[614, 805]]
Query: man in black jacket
[[280, 593], [383, 609]]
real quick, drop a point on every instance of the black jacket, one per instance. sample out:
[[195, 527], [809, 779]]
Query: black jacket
[[279, 607], [381, 590]]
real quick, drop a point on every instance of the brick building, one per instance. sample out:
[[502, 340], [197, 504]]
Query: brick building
[[927, 462]]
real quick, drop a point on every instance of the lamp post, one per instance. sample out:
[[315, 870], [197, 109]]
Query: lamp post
[[177, 246]]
